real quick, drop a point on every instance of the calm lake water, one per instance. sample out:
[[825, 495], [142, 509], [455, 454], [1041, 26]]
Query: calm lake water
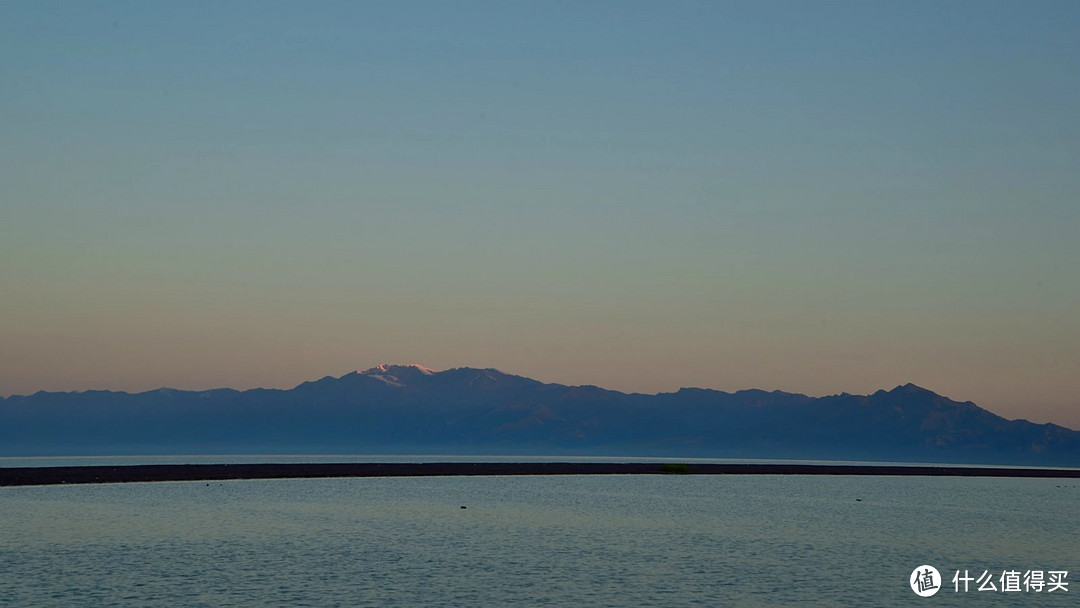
[[648, 540]]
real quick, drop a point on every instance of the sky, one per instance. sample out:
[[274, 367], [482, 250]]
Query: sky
[[816, 197]]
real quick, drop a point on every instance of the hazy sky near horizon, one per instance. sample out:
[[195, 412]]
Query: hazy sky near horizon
[[815, 197]]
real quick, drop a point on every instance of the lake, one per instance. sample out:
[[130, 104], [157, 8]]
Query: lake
[[641, 540]]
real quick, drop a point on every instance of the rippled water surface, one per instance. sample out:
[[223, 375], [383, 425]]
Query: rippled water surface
[[644, 540]]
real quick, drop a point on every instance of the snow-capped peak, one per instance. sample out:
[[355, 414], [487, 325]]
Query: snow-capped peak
[[386, 368]]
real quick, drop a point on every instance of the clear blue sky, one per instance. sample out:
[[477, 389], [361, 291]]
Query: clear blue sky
[[807, 196]]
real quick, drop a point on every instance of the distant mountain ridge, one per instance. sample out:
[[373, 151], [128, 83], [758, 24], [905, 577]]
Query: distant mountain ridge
[[414, 409]]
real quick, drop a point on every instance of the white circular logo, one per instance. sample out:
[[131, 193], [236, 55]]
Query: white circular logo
[[925, 581]]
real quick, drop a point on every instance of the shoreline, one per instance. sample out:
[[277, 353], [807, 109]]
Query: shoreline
[[36, 476]]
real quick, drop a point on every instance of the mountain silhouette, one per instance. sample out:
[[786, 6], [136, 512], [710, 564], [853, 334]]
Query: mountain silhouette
[[410, 409]]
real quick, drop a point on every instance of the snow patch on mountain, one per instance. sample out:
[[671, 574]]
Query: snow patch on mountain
[[390, 380], [386, 368]]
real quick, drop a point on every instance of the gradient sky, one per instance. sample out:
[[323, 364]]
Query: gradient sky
[[807, 196]]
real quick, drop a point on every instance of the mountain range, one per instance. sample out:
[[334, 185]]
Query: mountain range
[[410, 409]]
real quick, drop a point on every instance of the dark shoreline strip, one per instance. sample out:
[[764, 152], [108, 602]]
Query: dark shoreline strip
[[22, 476]]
